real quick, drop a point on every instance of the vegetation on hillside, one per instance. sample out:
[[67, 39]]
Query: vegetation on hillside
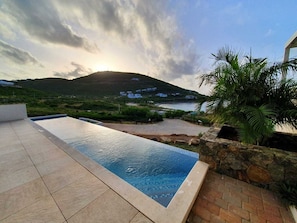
[[101, 96], [249, 94], [40, 103], [110, 84]]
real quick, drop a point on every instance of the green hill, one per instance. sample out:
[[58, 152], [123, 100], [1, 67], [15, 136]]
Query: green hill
[[107, 84]]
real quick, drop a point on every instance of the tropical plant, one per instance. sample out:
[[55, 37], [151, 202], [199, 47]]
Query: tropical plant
[[288, 192], [175, 113], [250, 94]]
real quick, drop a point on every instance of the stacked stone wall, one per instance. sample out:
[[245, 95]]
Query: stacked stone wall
[[258, 165]]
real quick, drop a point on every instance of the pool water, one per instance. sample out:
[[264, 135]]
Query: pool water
[[156, 169]]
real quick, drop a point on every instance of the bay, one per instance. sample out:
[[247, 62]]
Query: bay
[[184, 106]]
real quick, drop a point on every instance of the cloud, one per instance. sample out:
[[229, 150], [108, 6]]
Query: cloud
[[16, 55], [5, 27], [78, 71], [8, 76], [41, 20], [148, 26]]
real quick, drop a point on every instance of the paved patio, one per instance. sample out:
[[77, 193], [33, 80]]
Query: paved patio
[[39, 182], [224, 199]]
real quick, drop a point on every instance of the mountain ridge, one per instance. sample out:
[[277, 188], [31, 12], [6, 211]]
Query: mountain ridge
[[106, 83]]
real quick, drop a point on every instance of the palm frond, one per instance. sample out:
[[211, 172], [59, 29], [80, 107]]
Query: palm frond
[[248, 93]]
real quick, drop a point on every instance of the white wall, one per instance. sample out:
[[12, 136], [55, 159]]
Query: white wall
[[12, 112]]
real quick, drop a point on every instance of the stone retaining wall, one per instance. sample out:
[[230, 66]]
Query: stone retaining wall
[[258, 165]]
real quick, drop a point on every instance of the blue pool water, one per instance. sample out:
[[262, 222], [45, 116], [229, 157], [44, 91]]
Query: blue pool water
[[154, 168]]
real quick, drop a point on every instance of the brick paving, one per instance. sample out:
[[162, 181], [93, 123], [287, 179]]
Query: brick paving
[[224, 199]]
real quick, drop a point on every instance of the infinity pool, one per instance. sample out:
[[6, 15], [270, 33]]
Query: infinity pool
[[156, 169]]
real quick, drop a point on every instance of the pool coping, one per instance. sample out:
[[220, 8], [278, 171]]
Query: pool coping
[[177, 210]]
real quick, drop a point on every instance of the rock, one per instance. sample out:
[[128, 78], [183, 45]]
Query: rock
[[233, 148], [236, 165], [194, 141], [242, 176], [181, 141], [222, 154], [258, 174], [165, 139], [209, 160], [155, 139]]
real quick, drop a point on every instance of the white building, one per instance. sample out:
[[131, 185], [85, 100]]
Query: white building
[[292, 43], [190, 97], [162, 95], [131, 95], [6, 83]]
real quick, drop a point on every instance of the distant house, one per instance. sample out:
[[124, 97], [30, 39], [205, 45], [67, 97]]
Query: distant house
[[162, 95], [131, 95], [149, 89], [123, 93], [152, 89], [6, 83], [190, 97]]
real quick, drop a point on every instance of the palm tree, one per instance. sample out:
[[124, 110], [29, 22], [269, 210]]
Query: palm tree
[[250, 95]]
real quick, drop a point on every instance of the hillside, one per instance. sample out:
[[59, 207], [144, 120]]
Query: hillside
[[108, 84]]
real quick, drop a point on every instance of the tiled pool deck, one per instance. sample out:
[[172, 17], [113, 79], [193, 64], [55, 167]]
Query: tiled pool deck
[[39, 182]]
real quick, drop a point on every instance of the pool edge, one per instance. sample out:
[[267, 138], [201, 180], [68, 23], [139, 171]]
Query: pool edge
[[177, 210]]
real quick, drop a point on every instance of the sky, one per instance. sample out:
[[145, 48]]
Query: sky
[[171, 40]]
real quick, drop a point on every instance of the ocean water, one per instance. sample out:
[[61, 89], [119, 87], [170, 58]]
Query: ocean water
[[184, 106]]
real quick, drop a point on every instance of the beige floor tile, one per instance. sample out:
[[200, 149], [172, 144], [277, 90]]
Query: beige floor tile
[[47, 155], [6, 131], [8, 139], [16, 155], [17, 178], [109, 207], [64, 176], [23, 128], [20, 197], [77, 195], [51, 166], [44, 210], [25, 136], [140, 218], [13, 146], [10, 162], [37, 144]]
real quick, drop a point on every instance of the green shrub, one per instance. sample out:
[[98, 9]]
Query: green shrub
[[154, 117], [175, 113], [288, 192]]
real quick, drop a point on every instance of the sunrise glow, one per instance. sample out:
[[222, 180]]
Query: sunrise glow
[[101, 67]]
